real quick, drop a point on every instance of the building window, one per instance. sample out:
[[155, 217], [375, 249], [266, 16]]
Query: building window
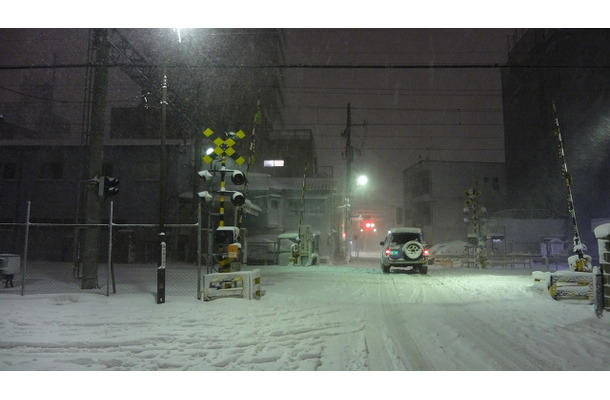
[[294, 206], [146, 172], [309, 207], [421, 184], [423, 215], [495, 182], [8, 171], [315, 206], [107, 169], [53, 170], [273, 163], [399, 216]]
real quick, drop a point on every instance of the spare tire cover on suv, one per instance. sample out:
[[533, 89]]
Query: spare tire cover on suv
[[412, 249]]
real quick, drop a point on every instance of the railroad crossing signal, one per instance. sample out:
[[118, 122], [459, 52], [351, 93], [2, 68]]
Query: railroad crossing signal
[[106, 186], [368, 225], [225, 146]]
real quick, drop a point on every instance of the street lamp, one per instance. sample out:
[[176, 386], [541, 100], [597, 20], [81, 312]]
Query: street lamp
[[362, 180]]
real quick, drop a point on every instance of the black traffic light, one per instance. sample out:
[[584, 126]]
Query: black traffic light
[[237, 177], [238, 199], [111, 186], [107, 186]]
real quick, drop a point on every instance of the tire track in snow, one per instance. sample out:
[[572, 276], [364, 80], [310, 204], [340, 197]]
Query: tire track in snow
[[390, 346], [504, 352], [404, 337]]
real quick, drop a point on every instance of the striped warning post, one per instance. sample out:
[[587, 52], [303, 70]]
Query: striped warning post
[[255, 285], [571, 285], [242, 284]]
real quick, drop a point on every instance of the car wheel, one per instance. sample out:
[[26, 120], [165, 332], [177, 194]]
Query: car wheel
[[412, 250], [385, 269], [423, 269]]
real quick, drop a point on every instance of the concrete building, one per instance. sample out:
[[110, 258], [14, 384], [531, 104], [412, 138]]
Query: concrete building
[[434, 197], [43, 158], [50, 178]]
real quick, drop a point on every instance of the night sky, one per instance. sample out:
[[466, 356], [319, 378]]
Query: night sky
[[415, 92], [401, 114]]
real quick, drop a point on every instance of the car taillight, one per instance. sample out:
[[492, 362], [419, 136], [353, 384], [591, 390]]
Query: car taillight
[[426, 252], [387, 251]]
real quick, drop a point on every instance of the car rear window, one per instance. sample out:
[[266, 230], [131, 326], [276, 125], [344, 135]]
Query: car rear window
[[404, 237]]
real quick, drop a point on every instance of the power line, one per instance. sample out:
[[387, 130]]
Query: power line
[[390, 89], [310, 66], [391, 92], [399, 109], [475, 110], [416, 148], [402, 124], [438, 136]]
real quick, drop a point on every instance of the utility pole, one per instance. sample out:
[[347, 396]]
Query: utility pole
[[95, 157], [162, 193], [349, 159], [163, 156]]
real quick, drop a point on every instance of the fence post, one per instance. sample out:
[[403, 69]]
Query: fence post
[[199, 250], [25, 248], [109, 249], [210, 240], [161, 271]]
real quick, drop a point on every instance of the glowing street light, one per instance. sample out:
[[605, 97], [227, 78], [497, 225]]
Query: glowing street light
[[362, 180]]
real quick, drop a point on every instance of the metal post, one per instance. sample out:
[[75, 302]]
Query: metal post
[[162, 192], [161, 272], [349, 158], [25, 248], [210, 243], [199, 250], [163, 156], [109, 249]]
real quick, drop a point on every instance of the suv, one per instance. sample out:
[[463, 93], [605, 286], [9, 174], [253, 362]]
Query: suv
[[404, 247]]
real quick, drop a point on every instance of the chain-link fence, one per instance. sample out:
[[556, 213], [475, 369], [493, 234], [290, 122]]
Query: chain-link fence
[[50, 257]]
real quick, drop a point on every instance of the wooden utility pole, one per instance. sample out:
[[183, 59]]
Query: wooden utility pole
[[95, 158], [349, 159]]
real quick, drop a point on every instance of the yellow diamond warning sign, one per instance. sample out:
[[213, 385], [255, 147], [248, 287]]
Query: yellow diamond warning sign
[[225, 146]]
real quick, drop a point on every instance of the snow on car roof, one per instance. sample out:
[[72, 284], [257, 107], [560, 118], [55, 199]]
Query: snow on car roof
[[407, 230]]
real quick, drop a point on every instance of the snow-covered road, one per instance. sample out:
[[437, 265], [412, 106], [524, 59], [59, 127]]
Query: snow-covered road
[[334, 318]]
